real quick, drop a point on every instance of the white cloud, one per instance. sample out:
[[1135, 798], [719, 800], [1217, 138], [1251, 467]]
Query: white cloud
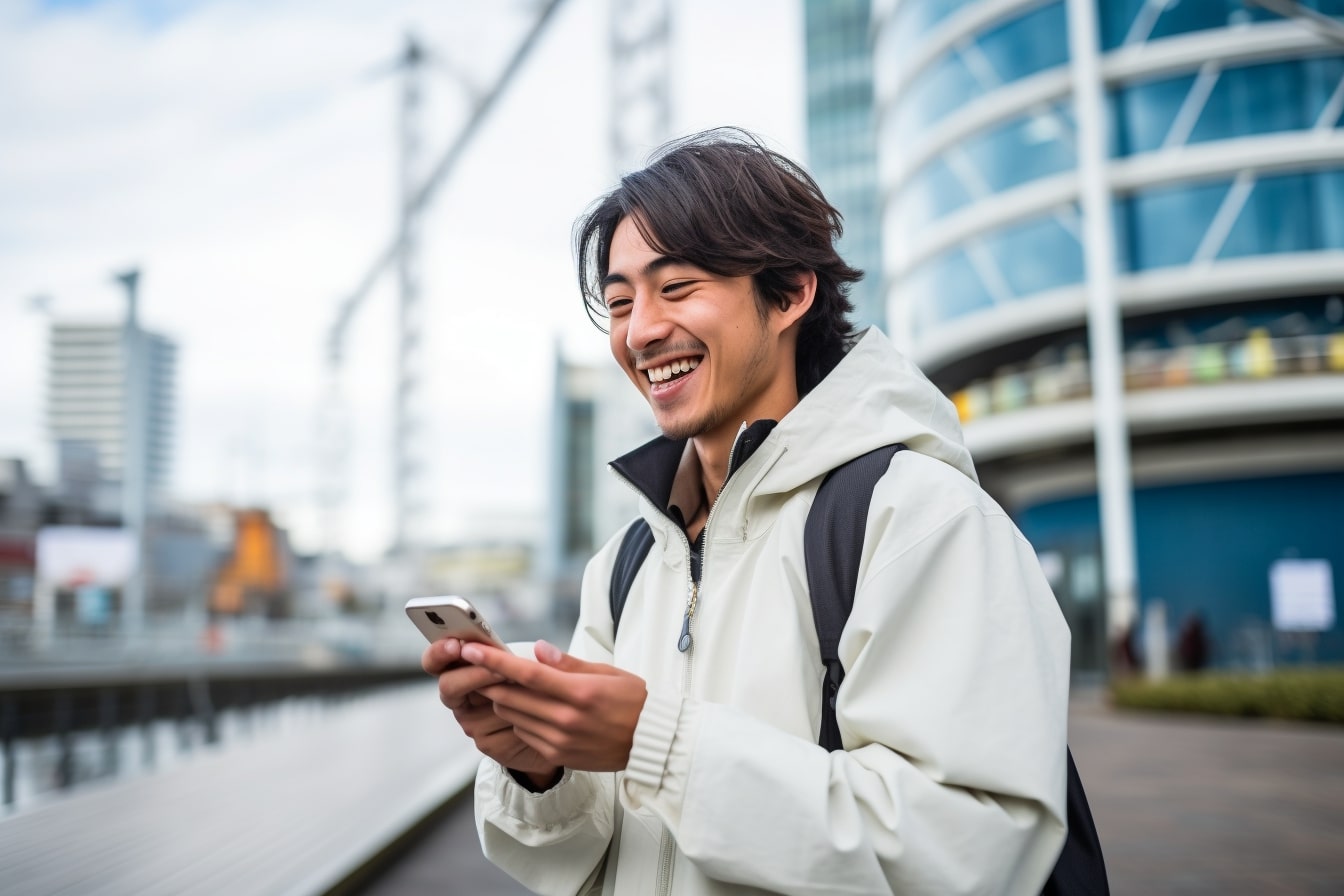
[[241, 156]]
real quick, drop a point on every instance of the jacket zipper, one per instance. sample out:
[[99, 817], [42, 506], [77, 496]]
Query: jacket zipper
[[667, 847]]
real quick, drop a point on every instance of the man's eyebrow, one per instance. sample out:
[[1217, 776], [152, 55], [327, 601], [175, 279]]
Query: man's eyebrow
[[653, 267]]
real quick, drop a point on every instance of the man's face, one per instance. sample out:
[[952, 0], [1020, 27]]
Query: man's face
[[695, 344]]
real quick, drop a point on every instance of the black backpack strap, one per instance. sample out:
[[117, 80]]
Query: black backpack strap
[[832, 548], [634, 548], [1080, 869]]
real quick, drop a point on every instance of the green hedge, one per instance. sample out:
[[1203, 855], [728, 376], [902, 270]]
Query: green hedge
[[1315, 695]]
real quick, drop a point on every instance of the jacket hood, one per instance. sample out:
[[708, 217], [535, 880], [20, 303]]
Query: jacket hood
[[875, 396]]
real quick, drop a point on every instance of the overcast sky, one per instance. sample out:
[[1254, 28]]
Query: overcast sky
[[242, 153]]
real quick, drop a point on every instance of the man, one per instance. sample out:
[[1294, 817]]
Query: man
[[682, 756]]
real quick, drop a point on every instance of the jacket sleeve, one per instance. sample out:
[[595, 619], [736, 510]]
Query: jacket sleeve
[[555, 842], [953, 715]]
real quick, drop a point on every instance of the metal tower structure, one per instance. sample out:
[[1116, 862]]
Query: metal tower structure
[[416, 190], [408, 519], [640, 121], [641, 105]]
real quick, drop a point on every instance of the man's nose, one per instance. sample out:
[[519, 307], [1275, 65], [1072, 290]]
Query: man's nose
[[648, 324]]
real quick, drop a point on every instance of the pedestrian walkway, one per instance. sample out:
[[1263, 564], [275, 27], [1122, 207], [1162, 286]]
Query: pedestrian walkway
[[1185, 806], [1193, 805], [293, 815]]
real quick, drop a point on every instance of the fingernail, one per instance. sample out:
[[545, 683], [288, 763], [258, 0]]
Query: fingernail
[[548, 652], [472, 653]]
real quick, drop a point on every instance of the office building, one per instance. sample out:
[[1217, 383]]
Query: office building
[[1217, 243], [841, 149], [99, 435]]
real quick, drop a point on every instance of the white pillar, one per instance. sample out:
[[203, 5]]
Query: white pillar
[[1114, 486], [135, 453]]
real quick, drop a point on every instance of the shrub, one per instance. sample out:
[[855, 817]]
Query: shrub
[[1314, 694]]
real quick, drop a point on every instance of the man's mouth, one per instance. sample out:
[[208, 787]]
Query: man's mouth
[[672, 370]]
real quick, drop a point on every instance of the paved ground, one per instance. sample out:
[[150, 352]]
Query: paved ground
[[1185, 807]]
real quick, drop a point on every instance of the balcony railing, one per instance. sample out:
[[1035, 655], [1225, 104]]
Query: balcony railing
[[1056, 376]]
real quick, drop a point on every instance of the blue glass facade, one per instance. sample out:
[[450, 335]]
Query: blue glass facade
[[1225, 155], [841, 142], [1167, 225], [1245, 101], [1159, 224], [1006, 52]]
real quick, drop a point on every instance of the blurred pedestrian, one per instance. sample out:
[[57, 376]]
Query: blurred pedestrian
[[1192, 644], [678, 753]]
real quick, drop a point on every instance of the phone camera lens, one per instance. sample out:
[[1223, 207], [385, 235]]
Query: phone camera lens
[[434, 617], [472, 614]]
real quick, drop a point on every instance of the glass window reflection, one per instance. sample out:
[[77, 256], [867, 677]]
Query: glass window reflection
[[1004, 265], [1285, 213], [1035, 146], [1023, 46], [1134, 21], [1242, 102]]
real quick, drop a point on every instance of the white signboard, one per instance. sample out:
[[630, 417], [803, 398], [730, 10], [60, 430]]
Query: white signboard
[[1302, 595], [70, 556]]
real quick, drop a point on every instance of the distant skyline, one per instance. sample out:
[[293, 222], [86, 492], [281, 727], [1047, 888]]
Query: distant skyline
[[243, 156]]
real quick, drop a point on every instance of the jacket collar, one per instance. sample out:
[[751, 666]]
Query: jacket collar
[[667, 471]]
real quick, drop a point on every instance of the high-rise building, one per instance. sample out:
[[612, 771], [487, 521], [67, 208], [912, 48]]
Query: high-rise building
[[1179, 167], [92, 419], [841, 147], [571, 534]]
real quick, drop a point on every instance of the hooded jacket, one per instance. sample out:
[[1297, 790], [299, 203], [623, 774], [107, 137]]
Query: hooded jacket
[[952, 711]]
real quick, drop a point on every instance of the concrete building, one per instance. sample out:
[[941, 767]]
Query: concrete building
[[88, 411], [1179, 167]]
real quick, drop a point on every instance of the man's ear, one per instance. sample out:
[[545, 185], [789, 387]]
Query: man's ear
[[799, 299]]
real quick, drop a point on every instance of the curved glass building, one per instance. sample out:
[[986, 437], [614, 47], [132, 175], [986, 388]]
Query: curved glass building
[[1223, 170]]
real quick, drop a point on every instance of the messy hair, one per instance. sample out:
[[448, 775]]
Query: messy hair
[[725, 202]]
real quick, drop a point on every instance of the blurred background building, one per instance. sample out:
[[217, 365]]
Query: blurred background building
[[841, 140], [89, 400], [1223, 170]]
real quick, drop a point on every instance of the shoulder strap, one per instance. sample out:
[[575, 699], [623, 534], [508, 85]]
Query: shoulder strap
[[832, 548], [630, 556]]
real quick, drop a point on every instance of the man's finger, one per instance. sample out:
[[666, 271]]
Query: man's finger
[[528, 673], [524, 700], [550, 655], [440, 655], [456, 684]]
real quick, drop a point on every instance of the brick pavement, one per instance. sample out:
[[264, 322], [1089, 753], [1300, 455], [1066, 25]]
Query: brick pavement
[[1185, 806]]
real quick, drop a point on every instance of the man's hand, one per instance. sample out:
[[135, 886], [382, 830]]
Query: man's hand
[[460, 690], [571, 713]]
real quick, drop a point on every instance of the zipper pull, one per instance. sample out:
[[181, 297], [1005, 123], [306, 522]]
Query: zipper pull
[[684, 642]]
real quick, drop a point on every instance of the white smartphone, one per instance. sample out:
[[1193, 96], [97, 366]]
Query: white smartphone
[[450, 617]]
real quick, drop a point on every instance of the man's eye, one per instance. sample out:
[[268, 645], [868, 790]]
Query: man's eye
[[678, 286], [617, 305]]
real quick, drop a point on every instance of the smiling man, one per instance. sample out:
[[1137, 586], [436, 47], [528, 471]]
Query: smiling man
[[678, 752]]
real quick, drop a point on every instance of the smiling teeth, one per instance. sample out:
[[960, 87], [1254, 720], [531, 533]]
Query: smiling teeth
[[667, 371]]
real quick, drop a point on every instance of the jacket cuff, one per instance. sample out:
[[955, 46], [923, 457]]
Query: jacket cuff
[[569, 798], [654, 732], [660, 757]]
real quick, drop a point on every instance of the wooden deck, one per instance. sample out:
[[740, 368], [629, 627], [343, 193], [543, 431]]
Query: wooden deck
[[293, 814]]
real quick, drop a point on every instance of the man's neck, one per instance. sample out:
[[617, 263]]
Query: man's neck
[[714, 450]]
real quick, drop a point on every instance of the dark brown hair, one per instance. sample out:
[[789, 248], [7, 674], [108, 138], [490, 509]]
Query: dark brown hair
[[723, 201]]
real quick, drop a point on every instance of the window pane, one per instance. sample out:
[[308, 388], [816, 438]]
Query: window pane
[[1023, 46], [1041, 254], [1178, 17], [1166, 225]]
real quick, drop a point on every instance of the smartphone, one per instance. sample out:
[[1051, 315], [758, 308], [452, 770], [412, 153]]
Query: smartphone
[[450, 617]]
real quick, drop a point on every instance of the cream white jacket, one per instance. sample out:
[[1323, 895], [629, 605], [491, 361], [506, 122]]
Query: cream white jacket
[[953, 709]]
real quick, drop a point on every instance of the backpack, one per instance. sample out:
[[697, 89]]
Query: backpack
[[832, 546]]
